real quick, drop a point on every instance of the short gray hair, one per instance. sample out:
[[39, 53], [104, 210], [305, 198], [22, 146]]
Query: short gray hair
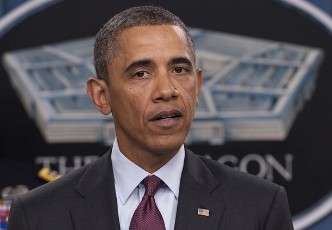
[[105, 46]]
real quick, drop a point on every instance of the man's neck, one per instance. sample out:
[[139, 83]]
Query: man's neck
[[149, 162]]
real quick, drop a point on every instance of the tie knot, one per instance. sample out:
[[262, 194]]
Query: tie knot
[[152, 184]]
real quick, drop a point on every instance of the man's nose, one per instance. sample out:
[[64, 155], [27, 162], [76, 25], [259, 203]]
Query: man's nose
[[165, 88]]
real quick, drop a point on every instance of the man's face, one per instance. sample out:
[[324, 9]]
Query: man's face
[[153, 89]]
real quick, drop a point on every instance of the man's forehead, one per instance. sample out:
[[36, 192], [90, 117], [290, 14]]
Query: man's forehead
[[152, 29], [152, 36]]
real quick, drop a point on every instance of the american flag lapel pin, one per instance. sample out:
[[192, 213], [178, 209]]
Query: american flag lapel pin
[[203, 212]]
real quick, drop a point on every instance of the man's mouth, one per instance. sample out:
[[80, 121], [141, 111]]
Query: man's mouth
[[165, 115]]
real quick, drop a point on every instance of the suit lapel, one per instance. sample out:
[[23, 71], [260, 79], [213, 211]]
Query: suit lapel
[[95, 206], [196, 191]]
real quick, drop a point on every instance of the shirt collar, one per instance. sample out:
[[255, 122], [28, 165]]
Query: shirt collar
[[126, 182]]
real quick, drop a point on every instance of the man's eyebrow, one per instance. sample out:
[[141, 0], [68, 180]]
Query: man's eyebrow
[[138, 63], [181, 60]]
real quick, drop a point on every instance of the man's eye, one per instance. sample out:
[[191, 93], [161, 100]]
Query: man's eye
[[179, 70], [141, 74]]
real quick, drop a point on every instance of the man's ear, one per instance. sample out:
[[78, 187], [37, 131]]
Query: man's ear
[[98, 92]]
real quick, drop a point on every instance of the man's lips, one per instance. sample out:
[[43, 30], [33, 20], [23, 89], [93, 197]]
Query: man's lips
[[164, 115]]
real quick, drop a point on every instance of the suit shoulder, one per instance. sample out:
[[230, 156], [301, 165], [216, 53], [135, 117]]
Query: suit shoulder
[[236, 179], [58, 188], [62, 188], [245, 198]]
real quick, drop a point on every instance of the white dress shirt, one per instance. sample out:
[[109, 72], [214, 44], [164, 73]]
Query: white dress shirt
[[129, 190]]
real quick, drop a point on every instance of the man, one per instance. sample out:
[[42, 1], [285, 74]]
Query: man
[[148, 80]]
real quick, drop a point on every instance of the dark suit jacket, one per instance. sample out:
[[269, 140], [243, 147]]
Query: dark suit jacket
[[85, 200]]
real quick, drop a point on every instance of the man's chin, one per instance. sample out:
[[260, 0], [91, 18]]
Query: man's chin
[[167, 146]]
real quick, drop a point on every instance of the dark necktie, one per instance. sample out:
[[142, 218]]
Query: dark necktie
[[147, 215]]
